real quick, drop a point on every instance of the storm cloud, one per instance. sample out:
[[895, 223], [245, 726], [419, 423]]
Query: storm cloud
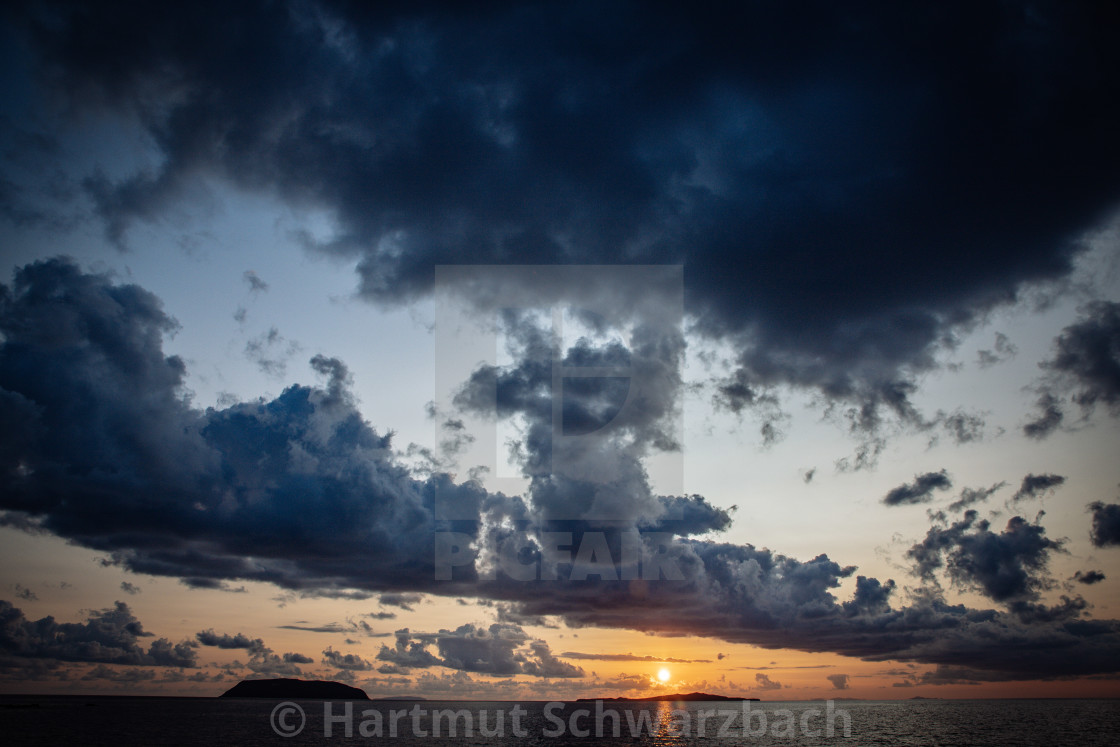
[[300, 491], [262, 659], [109, 636], [500, 649], [832, 153], [1105, 531], [350, 662], [1007, 566], [1085, 368]]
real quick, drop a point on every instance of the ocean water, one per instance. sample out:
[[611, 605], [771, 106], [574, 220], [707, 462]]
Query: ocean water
[[116, 721]]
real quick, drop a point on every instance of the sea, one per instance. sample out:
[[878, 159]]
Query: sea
[[116, 721]]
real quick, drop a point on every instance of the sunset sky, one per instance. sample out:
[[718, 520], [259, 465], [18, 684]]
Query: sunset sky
[[814, 308]]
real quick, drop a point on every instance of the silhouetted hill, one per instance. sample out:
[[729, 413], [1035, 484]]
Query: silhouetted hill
[[294, 690]]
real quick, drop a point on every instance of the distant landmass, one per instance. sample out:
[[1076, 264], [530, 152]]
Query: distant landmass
[[295, 690], [407, 698], [677, 697]]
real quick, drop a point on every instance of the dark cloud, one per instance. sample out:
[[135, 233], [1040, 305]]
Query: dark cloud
[[839, 681], [456, 438], [541, 662], [408, 653], [969, 496], [201, 582], [1006, 567], [360, 627], [690, 515], [866, 455], [1004, 350], [298, 659], [350, 594], [1105, 531], [22, 592], [404, 601], [1088, 577], [631, 657], [109, 636], [328, 628], [827, 173], [23, 670], [871, 596], [756, 596], [210, 638], [501, 649], [943, 675], [381, 615], [271, 351], [350, 662], [774, 666], [735, 394], [1067, 608], [262, 659], [599, 478], [1085, 368], [1037, 486], [1088, 352], [764, 683], [268, 664], [1048, 419], [301, 492], [131, 676], [963, 427], [130, 588], [919, 491], [106, 424]]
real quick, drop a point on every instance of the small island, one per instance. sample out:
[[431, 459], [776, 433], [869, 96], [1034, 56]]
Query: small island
[[294, 690], [676, 697]]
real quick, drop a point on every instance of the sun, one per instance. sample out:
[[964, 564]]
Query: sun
[[663, 675]]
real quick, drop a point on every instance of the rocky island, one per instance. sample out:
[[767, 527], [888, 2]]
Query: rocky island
[[289, 689]]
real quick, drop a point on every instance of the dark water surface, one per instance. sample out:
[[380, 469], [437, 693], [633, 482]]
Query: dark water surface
[[115, 721]]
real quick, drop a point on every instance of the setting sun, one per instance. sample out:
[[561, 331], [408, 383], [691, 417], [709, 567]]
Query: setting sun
[[663, 675]]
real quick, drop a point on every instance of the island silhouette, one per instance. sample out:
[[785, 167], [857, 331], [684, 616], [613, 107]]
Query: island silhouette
[[294, 690]]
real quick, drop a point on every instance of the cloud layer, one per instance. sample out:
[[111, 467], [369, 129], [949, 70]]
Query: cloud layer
[[109, 636], [845, 195], [302, 492]]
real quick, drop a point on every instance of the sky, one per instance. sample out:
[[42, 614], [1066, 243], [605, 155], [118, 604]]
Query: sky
[[531, 349]]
